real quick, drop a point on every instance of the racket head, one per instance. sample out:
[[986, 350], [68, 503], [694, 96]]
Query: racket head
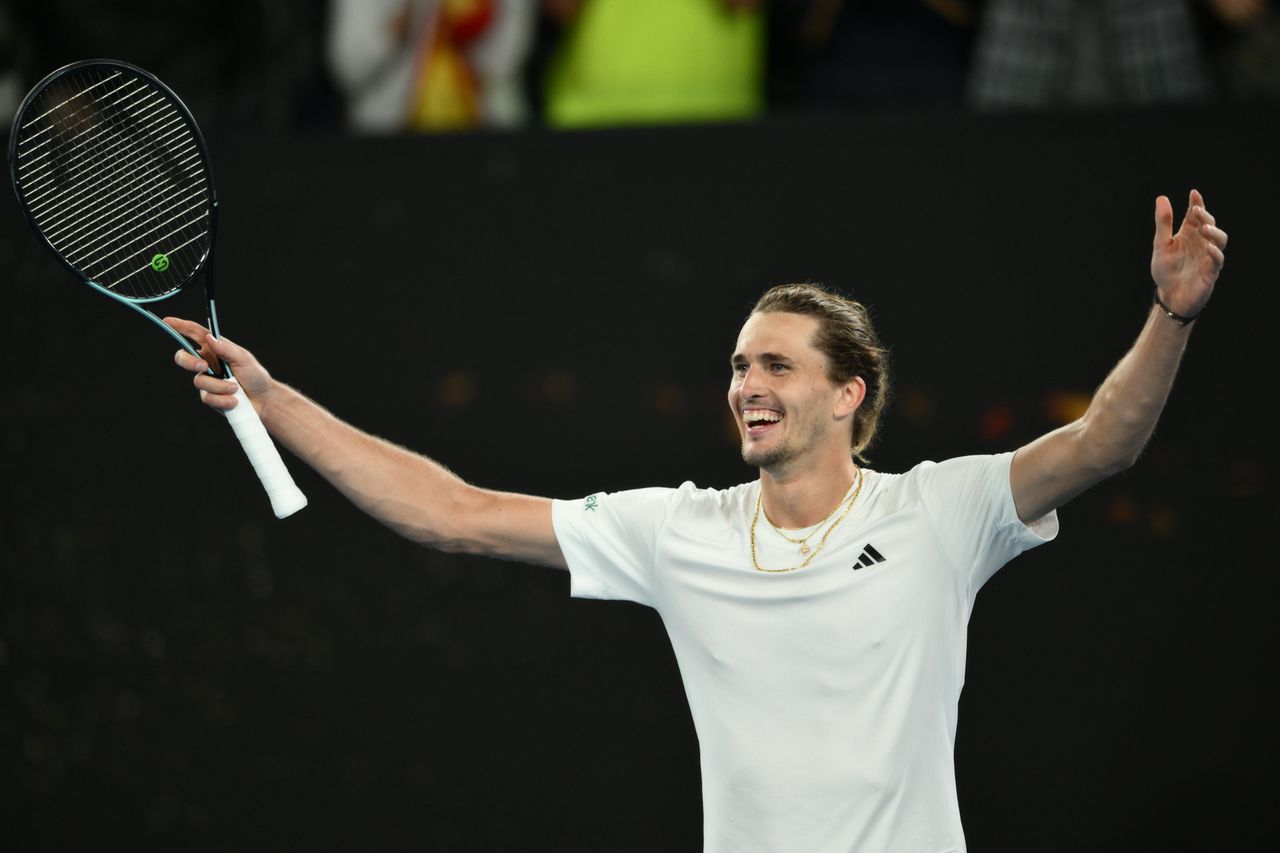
[[113, 175]]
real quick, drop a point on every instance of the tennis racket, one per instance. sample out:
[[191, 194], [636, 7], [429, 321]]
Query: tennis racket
[[113, 174]]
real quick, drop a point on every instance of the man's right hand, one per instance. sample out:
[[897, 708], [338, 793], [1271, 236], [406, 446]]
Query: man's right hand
[[413, 495], [215, 392]]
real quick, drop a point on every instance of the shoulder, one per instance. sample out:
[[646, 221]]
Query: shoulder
[[691, 507], [690, 499], [929, 481], [686, 500], [958, 468]]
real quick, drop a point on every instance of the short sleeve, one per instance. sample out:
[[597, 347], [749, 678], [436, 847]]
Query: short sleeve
[[970, 501], [609, 541]]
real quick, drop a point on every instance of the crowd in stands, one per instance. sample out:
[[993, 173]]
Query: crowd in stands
[[429, 65]]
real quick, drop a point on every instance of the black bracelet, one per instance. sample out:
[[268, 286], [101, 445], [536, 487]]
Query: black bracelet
[[1177, 318]]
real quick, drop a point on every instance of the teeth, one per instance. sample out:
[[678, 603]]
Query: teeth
[[756, 415]]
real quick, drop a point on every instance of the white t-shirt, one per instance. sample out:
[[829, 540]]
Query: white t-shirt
[[825, 698]]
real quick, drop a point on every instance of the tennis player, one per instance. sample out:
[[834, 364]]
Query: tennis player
[[818, 613]]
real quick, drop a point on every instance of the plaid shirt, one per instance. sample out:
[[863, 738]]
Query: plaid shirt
[[1040, 53]]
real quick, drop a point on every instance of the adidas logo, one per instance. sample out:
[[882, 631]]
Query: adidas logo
[[870, 556]]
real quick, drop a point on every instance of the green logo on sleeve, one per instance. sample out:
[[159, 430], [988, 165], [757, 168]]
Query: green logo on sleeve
[[592, 502]]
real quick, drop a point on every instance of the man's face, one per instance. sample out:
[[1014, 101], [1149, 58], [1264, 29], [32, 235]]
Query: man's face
[[780, 394]]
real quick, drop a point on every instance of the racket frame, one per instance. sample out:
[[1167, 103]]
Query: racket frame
[[284, 494], [205, 264]]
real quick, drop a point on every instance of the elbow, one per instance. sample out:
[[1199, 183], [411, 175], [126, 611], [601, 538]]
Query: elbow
[[437, 540], [455, 545], [1113, 467], [1127, 462], [456, 530], [441, 525], [412, 527], [1106, 452]]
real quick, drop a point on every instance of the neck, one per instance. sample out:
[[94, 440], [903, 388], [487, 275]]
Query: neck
[[801, 497]]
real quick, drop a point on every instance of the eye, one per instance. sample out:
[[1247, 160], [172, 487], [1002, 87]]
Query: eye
[[777, 367], [739, 369]]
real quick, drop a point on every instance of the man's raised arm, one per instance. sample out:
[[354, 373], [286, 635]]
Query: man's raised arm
[[418, 498], [1122, 415]]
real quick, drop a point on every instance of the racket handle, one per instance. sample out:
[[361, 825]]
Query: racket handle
[[286, 498]]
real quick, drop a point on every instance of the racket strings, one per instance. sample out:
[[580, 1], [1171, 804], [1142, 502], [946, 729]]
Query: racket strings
[[32, 145], [114, 178], [41, 193], [76, 235], [46, 192], [86, 212], [108, 149], [76, 116], [122, 118]]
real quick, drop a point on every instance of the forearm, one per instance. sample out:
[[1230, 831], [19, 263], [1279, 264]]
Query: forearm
[[1124, 411], [413, 495], [1110, 435]]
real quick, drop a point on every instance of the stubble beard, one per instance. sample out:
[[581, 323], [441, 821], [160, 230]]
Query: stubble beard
[[785, 451], [780, 454]]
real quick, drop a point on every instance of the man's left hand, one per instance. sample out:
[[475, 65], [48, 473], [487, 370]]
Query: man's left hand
[[1185, 265]]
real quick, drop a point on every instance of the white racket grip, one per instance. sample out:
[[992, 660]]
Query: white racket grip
[[286, 498]]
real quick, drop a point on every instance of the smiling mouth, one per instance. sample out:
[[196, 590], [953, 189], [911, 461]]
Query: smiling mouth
[[760, 421]]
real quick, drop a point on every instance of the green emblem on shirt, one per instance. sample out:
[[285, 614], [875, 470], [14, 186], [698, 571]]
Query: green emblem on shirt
[[592, 500]]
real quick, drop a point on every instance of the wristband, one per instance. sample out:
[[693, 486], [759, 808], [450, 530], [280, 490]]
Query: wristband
[[1177, 318]]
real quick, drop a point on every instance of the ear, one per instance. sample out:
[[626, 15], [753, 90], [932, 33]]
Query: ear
[[850, 397]]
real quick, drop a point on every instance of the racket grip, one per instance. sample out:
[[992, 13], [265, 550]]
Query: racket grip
[[286, 498]]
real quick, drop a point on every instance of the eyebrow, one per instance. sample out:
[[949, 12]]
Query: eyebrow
[[739, 358]]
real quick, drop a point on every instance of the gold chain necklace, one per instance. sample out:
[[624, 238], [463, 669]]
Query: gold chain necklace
[[803, 541], [821, 543]]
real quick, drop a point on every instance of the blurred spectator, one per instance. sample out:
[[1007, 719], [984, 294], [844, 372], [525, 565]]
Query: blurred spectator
[[10, 75], [1244, 40], [240, 65], [627, 62], [1043, 53], [858, 53], [431, 64]]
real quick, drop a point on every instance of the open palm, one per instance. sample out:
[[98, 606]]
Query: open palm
[[1185, 265]]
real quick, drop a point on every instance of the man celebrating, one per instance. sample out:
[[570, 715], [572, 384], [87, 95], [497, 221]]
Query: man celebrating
[[818, 614]]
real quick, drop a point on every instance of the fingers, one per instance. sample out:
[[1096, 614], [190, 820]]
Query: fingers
[[1214, 235], [221, 402], [222, 347], [1195, 204], [230, 352], [214, 392], [188, 328], [1215, 238], [199, 337], [1164, 219], [1206, 224], [213, 384], [187, 361], [1202, 216], [1202, 221], [1218, 257]]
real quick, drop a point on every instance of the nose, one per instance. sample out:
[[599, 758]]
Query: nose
[[751, 382]]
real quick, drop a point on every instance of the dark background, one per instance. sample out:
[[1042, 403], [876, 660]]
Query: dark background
[[554, 314]]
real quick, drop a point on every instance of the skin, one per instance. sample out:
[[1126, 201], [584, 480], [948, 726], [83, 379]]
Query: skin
[[1111, 434], [804, 461]]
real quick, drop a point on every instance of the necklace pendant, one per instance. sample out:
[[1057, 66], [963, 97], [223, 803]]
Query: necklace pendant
[[804, 549]]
